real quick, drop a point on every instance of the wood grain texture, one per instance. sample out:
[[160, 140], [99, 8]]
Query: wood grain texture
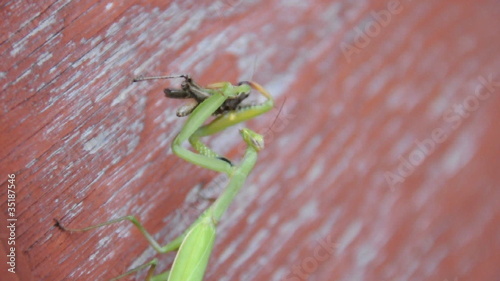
[[383, 164]]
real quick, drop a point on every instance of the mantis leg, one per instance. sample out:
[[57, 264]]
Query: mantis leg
[[171, 246], [195, 120], [149, 277], [197, 241], [229, 119]]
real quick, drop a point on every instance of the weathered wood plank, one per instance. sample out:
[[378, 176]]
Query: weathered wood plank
[[399, 92]]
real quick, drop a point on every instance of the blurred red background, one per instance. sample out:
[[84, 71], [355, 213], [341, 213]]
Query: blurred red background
[[382, 165]]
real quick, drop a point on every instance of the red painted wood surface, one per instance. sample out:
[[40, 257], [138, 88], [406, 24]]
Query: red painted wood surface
[[383, 164]]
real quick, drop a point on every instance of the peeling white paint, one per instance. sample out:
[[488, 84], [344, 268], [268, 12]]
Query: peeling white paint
[[43, 58], [459, 153], [95, 144], [349, 235], [19, 46]]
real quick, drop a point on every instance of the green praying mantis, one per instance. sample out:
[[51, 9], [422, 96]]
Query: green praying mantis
[[223, 99]]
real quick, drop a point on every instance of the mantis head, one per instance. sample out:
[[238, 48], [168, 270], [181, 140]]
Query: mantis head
[[231, 91], [253, 139]]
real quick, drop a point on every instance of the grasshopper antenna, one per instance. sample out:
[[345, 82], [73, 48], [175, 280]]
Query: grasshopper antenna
[[277, 115], [144, 78]]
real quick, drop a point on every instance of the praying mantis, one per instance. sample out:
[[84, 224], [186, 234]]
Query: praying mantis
[[222, 99]]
